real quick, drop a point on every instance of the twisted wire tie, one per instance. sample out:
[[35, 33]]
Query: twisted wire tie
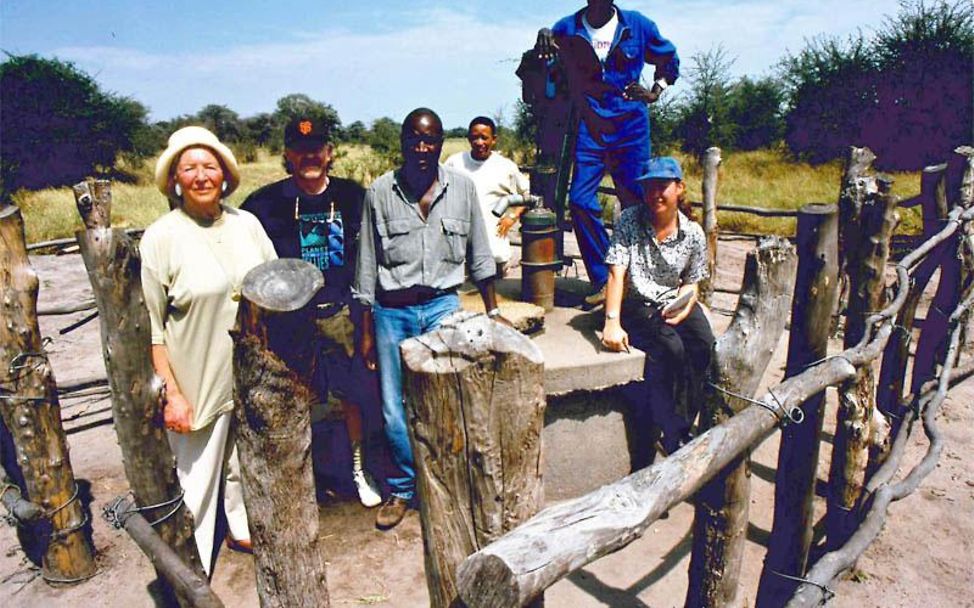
[[829, 594]]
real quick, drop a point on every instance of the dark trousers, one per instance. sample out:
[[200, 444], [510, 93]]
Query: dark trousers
[[669, 349]]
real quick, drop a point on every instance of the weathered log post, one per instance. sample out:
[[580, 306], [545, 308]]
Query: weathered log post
[[931, 347], [475, 400], [711, 162], [741, 355], [273, 361], [892, 374], [32, 413], [114, 269], [866, 265], [816, 288], [856, 180]]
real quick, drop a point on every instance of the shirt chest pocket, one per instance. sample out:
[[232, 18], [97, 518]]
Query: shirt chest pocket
[[456, 231], [402, 241], [627, 58]]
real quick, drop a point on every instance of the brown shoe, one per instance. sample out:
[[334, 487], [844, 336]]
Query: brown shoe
[[595, 298], [391, 512], [241, 546]]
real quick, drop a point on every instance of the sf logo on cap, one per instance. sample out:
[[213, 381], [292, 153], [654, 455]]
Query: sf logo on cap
[[305, 127]]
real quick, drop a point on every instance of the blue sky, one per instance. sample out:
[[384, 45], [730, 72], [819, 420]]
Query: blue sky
[[374, 58]]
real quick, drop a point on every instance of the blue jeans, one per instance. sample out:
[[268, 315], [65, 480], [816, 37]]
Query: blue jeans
[[625, 162], [392, 326]]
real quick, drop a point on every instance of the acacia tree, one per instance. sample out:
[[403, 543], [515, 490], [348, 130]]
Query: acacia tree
[[58, 126], [705, 115], [924, 85], [906, 93], [356, 132], [224, 122], [259, 129], [384, 137], [756, 108], [297, 105]]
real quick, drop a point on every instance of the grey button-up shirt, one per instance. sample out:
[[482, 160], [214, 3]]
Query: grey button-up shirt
[[399, 249]]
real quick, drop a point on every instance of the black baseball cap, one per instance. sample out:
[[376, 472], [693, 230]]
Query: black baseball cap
[[307, 131]]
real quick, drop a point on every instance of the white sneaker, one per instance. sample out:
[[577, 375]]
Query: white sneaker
[[368, 492]]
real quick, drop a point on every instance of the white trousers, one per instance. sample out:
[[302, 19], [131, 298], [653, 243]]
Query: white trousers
[[206, 459]]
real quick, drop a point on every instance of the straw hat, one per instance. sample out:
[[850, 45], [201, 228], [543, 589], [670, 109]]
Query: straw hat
[[189, 137]]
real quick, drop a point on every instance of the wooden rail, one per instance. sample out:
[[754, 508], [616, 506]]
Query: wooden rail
[[519, 566]]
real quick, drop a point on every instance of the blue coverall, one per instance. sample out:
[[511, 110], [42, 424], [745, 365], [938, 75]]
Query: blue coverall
[[613, 132]]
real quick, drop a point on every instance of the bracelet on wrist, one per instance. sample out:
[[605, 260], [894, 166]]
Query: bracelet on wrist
[[494, 312]]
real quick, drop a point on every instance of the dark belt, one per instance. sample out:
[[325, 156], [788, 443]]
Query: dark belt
[[411, 296]]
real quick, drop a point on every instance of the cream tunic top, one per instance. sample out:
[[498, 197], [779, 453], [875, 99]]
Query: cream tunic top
[[191, 278]]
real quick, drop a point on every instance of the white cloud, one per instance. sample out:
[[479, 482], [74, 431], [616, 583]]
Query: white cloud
[[447, 59], [758, 33], [364, 76]]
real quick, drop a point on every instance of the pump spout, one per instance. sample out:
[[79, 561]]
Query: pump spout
[[515, 200]]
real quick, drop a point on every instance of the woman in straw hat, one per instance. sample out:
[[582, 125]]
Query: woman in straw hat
[[194, 260]]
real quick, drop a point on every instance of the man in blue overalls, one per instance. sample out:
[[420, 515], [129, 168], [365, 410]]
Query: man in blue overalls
[[602, 51]]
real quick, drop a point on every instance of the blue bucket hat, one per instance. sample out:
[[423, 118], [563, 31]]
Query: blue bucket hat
[[662, 167]]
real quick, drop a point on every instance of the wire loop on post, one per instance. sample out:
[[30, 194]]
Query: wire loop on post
[[826, 591], [117, 517], [52, 512], [19, 361], [784, 416]]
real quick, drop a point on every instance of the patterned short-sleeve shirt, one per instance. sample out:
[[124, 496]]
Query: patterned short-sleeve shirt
[[655, 270]]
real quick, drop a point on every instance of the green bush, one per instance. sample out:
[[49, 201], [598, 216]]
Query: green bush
[[907, 92], [59, 127]]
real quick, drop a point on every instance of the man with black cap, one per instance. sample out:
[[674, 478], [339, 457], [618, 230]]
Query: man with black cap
[[316, 217]]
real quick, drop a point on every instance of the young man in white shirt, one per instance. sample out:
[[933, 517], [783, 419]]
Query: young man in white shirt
[[495, 178]]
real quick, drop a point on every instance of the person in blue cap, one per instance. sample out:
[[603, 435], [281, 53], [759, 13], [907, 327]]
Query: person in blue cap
[[663, 254], [602, 51]]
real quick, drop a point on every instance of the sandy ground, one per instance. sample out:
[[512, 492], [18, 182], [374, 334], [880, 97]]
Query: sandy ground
[[923, 557]]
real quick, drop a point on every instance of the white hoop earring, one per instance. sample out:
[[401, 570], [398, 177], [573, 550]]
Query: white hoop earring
[[223, 188], [178, 190]]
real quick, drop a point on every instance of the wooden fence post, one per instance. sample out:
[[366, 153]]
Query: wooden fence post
[[273, 361], [32, 413], [475, 400], [866, 249], [816, 288], [892, 374], [114, 269], [931, 347], [741, 355], [711, 162], [856, 181]]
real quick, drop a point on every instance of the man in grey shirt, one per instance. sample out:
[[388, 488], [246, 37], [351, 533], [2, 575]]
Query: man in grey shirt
[[420, 224]]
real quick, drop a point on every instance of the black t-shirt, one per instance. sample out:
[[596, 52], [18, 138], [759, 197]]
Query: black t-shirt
[[322, 229]]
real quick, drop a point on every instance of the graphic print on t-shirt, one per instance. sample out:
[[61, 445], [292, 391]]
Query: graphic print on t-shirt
[[601, 47], [322, 239]]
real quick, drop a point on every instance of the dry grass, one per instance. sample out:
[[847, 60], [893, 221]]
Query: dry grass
[[760, 179], [766, 178]]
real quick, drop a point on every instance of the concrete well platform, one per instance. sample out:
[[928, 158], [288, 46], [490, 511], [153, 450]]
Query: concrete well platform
[[586, 439]]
